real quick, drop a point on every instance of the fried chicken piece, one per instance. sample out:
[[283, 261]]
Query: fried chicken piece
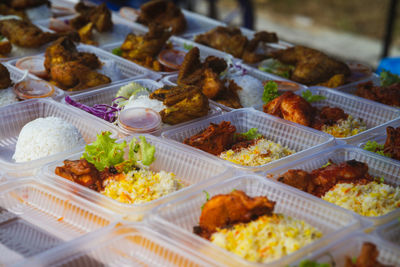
[[23, 4], [5, 47], [81, 172], [321, 180], [328, 116], [99, 16], [5, 80], [184, 103], [72, 70], [74, 76], [392, 144], [164, 13], [139, 48], [368, 257], [389, 95], [231, 41], [229, 96], [311, 66], [226, 210], [292, 107], [212, 85], [25, 34], [215, 139]]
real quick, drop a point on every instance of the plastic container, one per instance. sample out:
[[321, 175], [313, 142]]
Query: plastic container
[[127, 245], [390, 232], [177, 219], [373, 114], [107, 94], [378, 135], [301, 139], [126, 69], [377, 166], [36, 217], [350, 246], [262, 76], [17, 75], [17, 115], [190, 168], [178, 44]]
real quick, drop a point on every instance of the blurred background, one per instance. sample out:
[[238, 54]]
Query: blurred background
[[351, 30]]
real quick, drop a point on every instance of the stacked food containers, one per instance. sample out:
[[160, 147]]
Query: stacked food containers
[[47, 220]]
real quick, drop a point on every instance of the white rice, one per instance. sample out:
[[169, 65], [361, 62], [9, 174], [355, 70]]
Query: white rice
[[44, 137], [7, 97], [145, 102], [252, 90]]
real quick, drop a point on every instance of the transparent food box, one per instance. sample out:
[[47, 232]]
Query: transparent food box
[[373, 114], [16, 116], [191, 169], [121, 70], [126, 245], [178, 44], [36, 217], [390, 232], [177, 219], [107, 94], [377, 167], [301, 139], [350, 246], [121, 28], [259, 75], [17, 75]]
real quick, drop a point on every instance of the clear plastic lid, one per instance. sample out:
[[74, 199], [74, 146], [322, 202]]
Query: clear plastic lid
[[34, 65], [32, 88], [139, 120]]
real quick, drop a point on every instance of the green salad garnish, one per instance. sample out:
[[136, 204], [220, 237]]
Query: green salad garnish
[[276, 67], [106, 152], [270, 91], [187, 46], [309, 97], [117, 51], [387, 78], [373, 146], [309, 263]]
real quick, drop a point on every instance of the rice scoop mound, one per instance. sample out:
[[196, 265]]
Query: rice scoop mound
[[44, 137]]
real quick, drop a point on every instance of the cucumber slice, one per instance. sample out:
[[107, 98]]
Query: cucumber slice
[[131, 89]]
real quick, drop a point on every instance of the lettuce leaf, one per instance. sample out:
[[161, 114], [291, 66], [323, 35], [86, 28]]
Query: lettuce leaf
[[309, 97], [104, 152], [251, 134], [387, 78], [270, 91], [147, 151], [377, 148]]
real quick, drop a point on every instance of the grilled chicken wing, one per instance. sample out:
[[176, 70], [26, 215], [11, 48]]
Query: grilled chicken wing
[[321, 180], [231, 41], [164, 13], [224, 210], [311, 66], [392, 144], [25, 34], [389, 95], [99, 16], [215, 139], [23, 4], [5, 80], [368, 257]]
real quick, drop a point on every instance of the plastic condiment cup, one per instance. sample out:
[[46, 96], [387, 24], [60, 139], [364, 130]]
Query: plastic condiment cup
[[139, 120], [34, 65], [32, 88]]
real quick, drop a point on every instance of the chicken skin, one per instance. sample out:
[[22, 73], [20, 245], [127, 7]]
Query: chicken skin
[[321, 180], [72, 70], [225, 210], [25, 34], [164, 13], [312, 67], [389, 95], [5, 80], [99, 16], [184, 103], [232, 41], [214, 139]]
